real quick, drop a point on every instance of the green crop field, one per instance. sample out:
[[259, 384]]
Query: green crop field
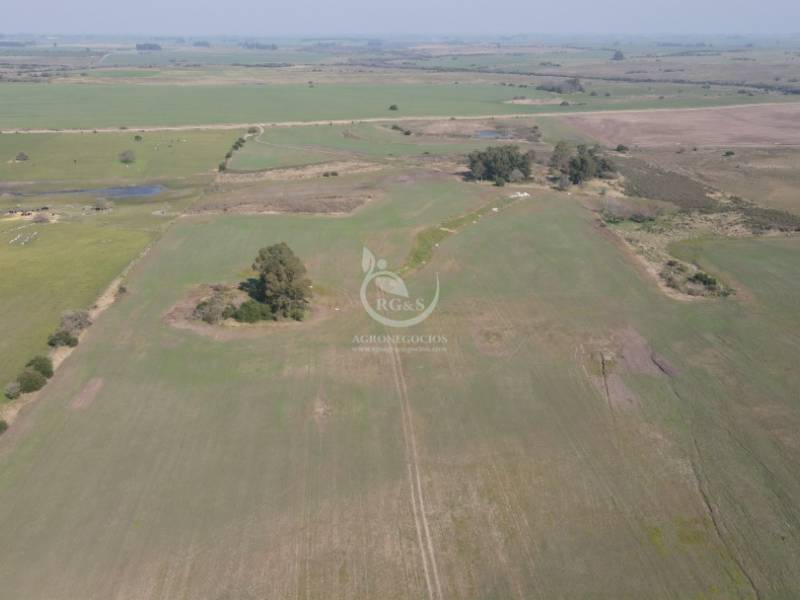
[[194, 455], [601, 404], [85, 157], [278, 147], [30, 106]]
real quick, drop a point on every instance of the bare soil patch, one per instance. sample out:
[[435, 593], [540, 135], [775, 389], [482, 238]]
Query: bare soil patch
[[314, 198], [771, 124], [181, 316], [298, 173]]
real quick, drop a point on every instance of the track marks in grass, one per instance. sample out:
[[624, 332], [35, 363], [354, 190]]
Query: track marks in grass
[[424, 540]]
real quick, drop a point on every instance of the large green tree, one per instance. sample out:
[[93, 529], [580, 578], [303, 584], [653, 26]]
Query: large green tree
[[283, 285]]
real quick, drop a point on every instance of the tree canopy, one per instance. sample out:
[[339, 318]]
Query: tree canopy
[[501, 163], [283, 285]]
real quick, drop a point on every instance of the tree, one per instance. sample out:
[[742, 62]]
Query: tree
[[394, 107], [127, 157], [282, 284], [559, 161], [21, 157], [31, 381], [587, 164], [42, 364], [618, 55], [501, 162]]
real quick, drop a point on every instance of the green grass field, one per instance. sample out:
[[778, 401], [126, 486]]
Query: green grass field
[[31, 106], [86, 157], [284, 464], [279, 147], [65, 268]]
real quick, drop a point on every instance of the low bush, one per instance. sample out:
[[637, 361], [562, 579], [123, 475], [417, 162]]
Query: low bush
[[253, 311], [3, 426], [42, 364], [12, 391]]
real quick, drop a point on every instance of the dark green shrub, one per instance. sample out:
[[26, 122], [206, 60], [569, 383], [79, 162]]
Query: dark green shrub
[[42, 364], [30, 381], [62, 337], [3, 426], [252, 312]]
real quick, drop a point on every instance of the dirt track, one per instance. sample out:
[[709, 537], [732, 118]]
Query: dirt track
[[227, 126]]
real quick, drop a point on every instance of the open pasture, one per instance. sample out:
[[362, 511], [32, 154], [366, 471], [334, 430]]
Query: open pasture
[[287, 463], [88, 157]]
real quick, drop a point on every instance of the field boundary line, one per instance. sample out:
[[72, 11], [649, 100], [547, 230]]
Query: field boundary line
[[357, 120]]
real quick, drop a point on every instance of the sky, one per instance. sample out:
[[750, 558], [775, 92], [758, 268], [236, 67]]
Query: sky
[[288, 18]]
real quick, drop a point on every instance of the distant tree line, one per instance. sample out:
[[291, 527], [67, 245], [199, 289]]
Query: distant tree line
[[148, 47]]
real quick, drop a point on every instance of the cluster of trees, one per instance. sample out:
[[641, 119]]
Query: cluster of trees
[[280, 290], [568, 86], [237, 145], [258, 46], [501, 164], [583, 164], [34, 377]]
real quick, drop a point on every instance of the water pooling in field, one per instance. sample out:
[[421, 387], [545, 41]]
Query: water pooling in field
[[118, 192], [490, 134]]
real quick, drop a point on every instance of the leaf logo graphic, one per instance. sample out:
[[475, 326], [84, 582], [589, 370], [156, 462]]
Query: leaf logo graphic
[[392, 284]]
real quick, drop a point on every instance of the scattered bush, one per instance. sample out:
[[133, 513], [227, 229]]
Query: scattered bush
[[21, 157], [216, 308], [621, 148], [12, 391], [3, 426], [568, 86], [75, 321], [394, 107], [31, 381], [41, 218], [42, 364], [252, 130], [137, 138], [127, 157], [729, 153]]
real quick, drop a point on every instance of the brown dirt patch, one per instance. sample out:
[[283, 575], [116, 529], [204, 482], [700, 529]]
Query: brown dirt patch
[[180, 316], [298, 173], [329, 196], [767, 125], [87, 395]]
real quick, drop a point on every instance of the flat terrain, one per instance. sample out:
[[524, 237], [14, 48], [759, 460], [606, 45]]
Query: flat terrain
[[773, 125], [582, 431], [142, 484]]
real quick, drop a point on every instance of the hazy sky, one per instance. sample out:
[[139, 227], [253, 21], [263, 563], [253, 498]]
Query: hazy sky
[[372, 17]]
